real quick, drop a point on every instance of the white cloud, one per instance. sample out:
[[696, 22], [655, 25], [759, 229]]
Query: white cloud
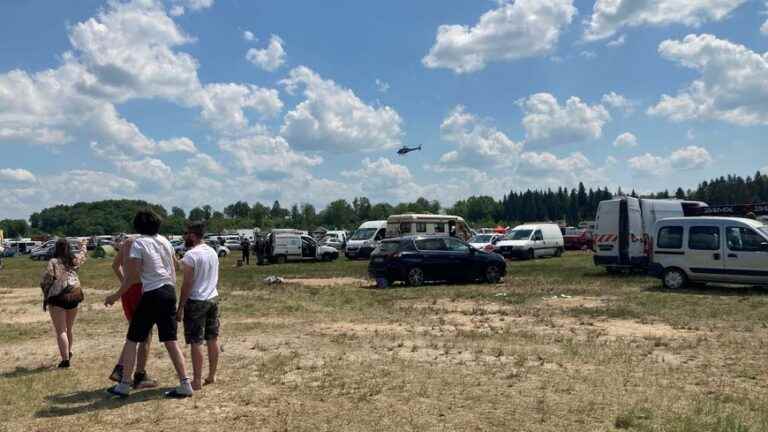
[[588, 55], [732, 86], [177, 145], [205, 164], [269, 58], [382, 86], [222, 105], [687, 158], [17, 175], [537, 169], [179, 6], [147, 170], [690, 135], [625, 140], [176, 11], [333, 118], [385, 179], [480, 145], [764, 28], [618, 42], [515, 30], [546, 121], [609, 16], [267, 157], [249, 36], [620, 102]]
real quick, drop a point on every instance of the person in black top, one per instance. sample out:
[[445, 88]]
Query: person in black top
[[245, 244]]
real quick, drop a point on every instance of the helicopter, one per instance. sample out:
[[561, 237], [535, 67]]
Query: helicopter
[[405, 150]]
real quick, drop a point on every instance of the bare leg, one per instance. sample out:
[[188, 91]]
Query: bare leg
[[129, 360], [177, 358], [71, 314], [143, 356], [213, 360], [197, 366], [59, 319]]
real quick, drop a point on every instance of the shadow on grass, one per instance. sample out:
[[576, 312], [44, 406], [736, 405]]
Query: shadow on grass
[[21, 372], [714, 290], [67, 404]]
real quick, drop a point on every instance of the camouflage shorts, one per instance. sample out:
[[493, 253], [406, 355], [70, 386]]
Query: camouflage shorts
[[201, 320]]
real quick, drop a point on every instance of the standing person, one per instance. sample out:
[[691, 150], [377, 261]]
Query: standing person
[[199, 302], [62, 293], [151, 258], [130, 300], [245, 244]]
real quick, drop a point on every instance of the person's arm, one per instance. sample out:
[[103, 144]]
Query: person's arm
[[117, 264], [186, 288], [132, 272]]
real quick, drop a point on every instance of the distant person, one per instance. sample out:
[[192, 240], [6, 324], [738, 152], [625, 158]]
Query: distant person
[[130, 300], [245, 244], [199, 302], [151, 259], [62, 293]]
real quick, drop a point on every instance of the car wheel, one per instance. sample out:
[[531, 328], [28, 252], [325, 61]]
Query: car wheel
[[415, 277], [492, 274], [531, 254], [280, 259], [559, 252], [674, 279]]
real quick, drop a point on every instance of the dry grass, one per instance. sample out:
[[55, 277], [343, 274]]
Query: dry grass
[[557, 346]]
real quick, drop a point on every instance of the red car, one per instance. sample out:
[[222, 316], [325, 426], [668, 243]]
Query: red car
[[578, 239]]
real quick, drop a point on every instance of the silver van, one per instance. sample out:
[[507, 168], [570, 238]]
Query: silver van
[[710, 249]]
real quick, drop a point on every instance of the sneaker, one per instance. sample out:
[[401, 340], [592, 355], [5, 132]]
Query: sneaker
[[64, 364], [184, 390], [121, 390], [117, 374], [142, 381]]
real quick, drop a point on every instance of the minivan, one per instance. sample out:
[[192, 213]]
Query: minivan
[[532, 241], [365, 239], [710, 249]]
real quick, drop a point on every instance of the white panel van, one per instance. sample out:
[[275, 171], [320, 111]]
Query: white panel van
[[531, 241], [365, 239], [710, 249]]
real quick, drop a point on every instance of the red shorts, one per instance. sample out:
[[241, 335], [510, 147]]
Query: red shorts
[[130, 300]]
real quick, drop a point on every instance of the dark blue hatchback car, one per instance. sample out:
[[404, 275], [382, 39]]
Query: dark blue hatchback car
[[417, 259]]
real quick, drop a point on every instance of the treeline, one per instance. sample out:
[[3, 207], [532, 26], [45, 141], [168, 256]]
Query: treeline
[[570, 206]]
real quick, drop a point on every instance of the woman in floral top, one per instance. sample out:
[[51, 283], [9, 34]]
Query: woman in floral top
[[62, 293]]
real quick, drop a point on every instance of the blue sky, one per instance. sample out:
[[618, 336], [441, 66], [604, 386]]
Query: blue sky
[[192, 102]]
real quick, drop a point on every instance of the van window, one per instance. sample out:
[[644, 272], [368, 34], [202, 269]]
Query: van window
[[704, 238], [538, 236], [421, 227], [743, 239], [670, 238], [433, 244], [405, 227], [380, 234], [439, 227]]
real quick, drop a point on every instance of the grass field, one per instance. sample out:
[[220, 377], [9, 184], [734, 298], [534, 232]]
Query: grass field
[[557, 346]]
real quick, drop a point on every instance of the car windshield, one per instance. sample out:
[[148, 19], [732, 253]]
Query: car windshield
[[519, 235], [363, 234], [483, 238], [389, 247]]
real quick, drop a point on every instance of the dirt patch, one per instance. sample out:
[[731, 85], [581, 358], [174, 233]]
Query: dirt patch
[[572, 302], [329, 282]]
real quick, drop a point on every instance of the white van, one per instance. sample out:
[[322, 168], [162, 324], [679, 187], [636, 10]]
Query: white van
[[710, 249], [298, 247], [365, 239], [427, 224], [624, 229], [531, 241]]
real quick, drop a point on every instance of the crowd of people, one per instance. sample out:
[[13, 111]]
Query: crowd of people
[[146, 270]]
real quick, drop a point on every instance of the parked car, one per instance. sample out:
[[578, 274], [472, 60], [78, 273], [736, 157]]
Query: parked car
[[532, 241], [220, 249], [578, 239], [297, 247], [42, 253], [233, 244], [335, 239], [365, 239], [417, 259], [710, 249], [486, 242]]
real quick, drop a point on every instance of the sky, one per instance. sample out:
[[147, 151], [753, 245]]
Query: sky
[[193, 102]]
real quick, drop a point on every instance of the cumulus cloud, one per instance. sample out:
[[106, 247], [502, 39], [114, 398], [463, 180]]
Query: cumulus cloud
[[177, 145], [687, 158], [382, 86], [515, 30], [732, 86], [267, 157], [147, 170], [610, 16], [383, 178], [619, 102], [179, 7], [249, 36], [17, 175], [625, 140], [333, 118], [547, 122], [618, 42], [480, 145], [269, 58], [537, 169], [222, 105]]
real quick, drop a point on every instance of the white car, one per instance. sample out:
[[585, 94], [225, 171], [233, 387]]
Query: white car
[[485, 242], [532, 241], [710, 249]]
